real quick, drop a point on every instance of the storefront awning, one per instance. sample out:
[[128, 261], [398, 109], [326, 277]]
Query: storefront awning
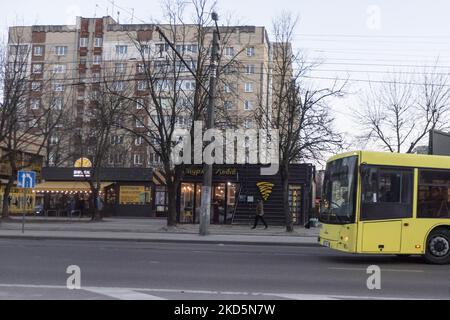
[[158, 178], [67, 186]]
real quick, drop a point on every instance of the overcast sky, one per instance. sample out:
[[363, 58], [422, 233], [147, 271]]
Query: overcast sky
[[356, 39]]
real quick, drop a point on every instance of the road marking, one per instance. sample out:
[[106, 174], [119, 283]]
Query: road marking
[[382, 269], [138, 293], [122, 294]]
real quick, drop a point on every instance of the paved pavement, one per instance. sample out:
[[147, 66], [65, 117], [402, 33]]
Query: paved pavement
[[153, 230], [158, 271]]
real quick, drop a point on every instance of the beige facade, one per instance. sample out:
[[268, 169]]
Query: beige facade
[[70, 58]]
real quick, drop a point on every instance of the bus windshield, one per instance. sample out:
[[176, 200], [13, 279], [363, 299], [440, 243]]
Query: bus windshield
[[339, 192]]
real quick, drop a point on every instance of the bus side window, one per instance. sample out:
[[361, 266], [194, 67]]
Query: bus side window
[[433, 198], [387, 193]]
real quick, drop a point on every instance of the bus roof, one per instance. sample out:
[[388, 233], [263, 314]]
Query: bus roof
[[398, 159]]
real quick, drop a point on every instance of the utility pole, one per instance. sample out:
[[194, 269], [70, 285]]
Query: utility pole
[[205, 218]]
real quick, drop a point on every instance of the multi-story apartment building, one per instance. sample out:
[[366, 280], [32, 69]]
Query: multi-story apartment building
[[71, 60]]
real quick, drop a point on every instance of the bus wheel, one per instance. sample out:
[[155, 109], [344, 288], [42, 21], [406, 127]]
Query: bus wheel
[[438, 247]]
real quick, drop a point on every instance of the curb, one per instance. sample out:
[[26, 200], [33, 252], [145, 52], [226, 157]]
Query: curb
[[141, 240]]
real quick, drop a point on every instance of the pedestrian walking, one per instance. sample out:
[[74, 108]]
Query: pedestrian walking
[[260, 214]]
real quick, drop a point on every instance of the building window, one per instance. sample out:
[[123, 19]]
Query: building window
[[434, 194], [250, 69], [116, 140], [35, 104], [119, 86], [38, 68], [229, 51], [138, 141], [111, 159], [61, 50], [155, 158], [227, 88], [189, 85], [140, 104], [145, 50], [38, 51], [58, 87], [36, 86], [84, 42], [115, 158], [57, 103], [121, 50], [228, 105], [54, 140], [96, 77], [139, 123], [141, 85], [162, 48], [248, 124], [97, 59], [248, 105], [137, 159], [19, 50], [141, 68], [228, 69], [190, 48], [250, 51], [98, 42], [34, 123], [249, 87], [120, 67], [59, 69]]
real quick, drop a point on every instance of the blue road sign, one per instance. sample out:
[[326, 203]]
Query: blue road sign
[[26, 179]]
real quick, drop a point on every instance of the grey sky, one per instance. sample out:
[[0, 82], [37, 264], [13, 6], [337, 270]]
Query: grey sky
[[356, 39]]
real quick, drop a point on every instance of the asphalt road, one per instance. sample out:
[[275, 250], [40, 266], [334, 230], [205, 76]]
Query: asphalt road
[[127, 270]]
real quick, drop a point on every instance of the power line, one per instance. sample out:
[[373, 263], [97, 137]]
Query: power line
[[370, 36], [376, 81], [382, 72]]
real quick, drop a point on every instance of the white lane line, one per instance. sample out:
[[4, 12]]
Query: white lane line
[[130, 293], [122, 294], [382, 269], [117, 293]]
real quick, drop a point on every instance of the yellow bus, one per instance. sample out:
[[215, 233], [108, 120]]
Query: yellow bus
[[386, 203]]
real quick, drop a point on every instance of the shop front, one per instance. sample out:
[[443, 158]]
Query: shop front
[[236, 189], [124, 192]]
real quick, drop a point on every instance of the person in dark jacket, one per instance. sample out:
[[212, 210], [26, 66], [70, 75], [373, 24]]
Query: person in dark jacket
[[260, 214]]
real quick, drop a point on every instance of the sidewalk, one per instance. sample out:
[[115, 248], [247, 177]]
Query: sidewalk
[[151, 230]]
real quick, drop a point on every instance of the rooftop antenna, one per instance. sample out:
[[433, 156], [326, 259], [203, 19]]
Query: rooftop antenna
[[132, 15], [118, 16], [95, 12]]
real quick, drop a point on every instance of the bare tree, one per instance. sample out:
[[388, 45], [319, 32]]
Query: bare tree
[[398, 113], [299, 111], [172, 86], [21, 136], [100, 135]]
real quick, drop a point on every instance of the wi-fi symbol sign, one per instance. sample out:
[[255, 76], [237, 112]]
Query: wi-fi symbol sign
[[266, 189]]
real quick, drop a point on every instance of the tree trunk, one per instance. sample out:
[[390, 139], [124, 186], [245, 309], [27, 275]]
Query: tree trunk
[[286, 208], [96, 213], [172, 205], [5, 206]]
